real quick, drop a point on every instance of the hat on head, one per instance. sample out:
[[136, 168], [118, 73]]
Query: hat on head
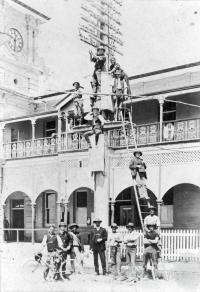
[[95, 107], [130, 224], [137, 151], [97, 220], [62, 224], [152, 207], [101, 48], [52, 225], [76, 82], [114, 226], [72, 225]]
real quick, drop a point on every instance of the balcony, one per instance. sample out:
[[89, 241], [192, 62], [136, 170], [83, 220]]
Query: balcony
[[149, 134], [45, 146]]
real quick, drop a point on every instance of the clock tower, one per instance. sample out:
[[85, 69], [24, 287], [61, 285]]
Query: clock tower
[[20, 66]]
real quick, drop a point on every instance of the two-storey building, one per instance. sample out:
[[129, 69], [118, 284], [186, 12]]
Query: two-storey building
[[48, 174]]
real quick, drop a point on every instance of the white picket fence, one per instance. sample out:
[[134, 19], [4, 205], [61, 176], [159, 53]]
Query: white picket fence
[[177, 244]]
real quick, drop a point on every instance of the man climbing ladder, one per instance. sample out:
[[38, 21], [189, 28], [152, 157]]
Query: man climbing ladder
[[138, 172]]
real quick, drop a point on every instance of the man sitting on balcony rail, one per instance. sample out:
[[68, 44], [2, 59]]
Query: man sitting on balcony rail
[[138, 172], [97, 125], [78, 103]]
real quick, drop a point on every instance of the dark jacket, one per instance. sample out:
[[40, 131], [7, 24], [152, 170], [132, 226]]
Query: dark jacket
[[66, 238], [94, 235]]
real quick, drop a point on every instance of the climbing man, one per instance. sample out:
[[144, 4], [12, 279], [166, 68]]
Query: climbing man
[[130, 240], [114, 243], [98, 237], [97, 125], [77, 249], [100, 60], [138, 172], [120, 86], [151, 249], [78, 103]]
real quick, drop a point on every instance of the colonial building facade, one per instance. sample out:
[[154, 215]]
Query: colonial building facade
[[48, 174]]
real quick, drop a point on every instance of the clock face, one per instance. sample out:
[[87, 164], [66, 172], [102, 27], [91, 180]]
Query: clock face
[[16, 40]]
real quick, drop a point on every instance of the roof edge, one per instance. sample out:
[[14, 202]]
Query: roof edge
[[31, 9], [162, 71]]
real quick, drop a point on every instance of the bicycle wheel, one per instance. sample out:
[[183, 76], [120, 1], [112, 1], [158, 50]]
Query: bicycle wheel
[[64, 270], [32, 270]]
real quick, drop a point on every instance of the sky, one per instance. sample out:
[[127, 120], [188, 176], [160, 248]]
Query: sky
[[157, 34]]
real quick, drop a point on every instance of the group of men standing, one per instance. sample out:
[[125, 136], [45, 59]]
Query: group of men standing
[[119, 246]]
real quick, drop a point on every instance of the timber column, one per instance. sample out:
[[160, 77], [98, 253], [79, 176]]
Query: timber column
[[99, 168]]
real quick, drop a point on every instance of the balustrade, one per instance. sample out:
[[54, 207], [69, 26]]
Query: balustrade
[[149, 134], [179, 130]]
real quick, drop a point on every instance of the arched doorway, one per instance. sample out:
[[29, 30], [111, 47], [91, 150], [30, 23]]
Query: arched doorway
[[126, 207], [181, 205], [45, 211], [18, 212], [81, 206]]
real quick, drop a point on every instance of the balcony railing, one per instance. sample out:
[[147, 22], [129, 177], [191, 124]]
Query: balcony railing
[[28, 148], [73, 141], [149, 134], [179, 130]]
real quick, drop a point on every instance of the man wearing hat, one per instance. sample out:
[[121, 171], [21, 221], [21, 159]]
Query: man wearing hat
[[66, 241], [98, 237], [52, 242], [130, 240], [152, 220], [78, 103], [77, 248], [100, 60], [138, 172], [114, 241], [151, 248], [97, 125]]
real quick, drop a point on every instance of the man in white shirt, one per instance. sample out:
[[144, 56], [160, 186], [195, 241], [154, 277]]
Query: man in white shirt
[[52, 242], [114, 242], [130, 240], [152, 220]]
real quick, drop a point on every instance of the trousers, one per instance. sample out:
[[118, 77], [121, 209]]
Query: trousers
[[130, 257], [101, 253], [115, 256], [151, 253]]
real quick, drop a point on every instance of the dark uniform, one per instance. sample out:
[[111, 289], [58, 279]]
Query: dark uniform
[[97, 128], [98, 248], [151, 249], [51, 241]]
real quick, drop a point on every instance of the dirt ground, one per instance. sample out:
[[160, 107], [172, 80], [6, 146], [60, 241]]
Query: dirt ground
[[179, 277]]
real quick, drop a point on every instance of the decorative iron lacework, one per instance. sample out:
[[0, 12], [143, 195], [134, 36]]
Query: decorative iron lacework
[[180, 157], [166, 158], [72, 163], [78, 163]]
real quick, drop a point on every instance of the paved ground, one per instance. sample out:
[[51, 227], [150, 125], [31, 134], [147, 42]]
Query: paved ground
[[179, 277]]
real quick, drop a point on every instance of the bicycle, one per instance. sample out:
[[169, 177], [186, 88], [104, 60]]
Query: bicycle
[[55, 267]]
